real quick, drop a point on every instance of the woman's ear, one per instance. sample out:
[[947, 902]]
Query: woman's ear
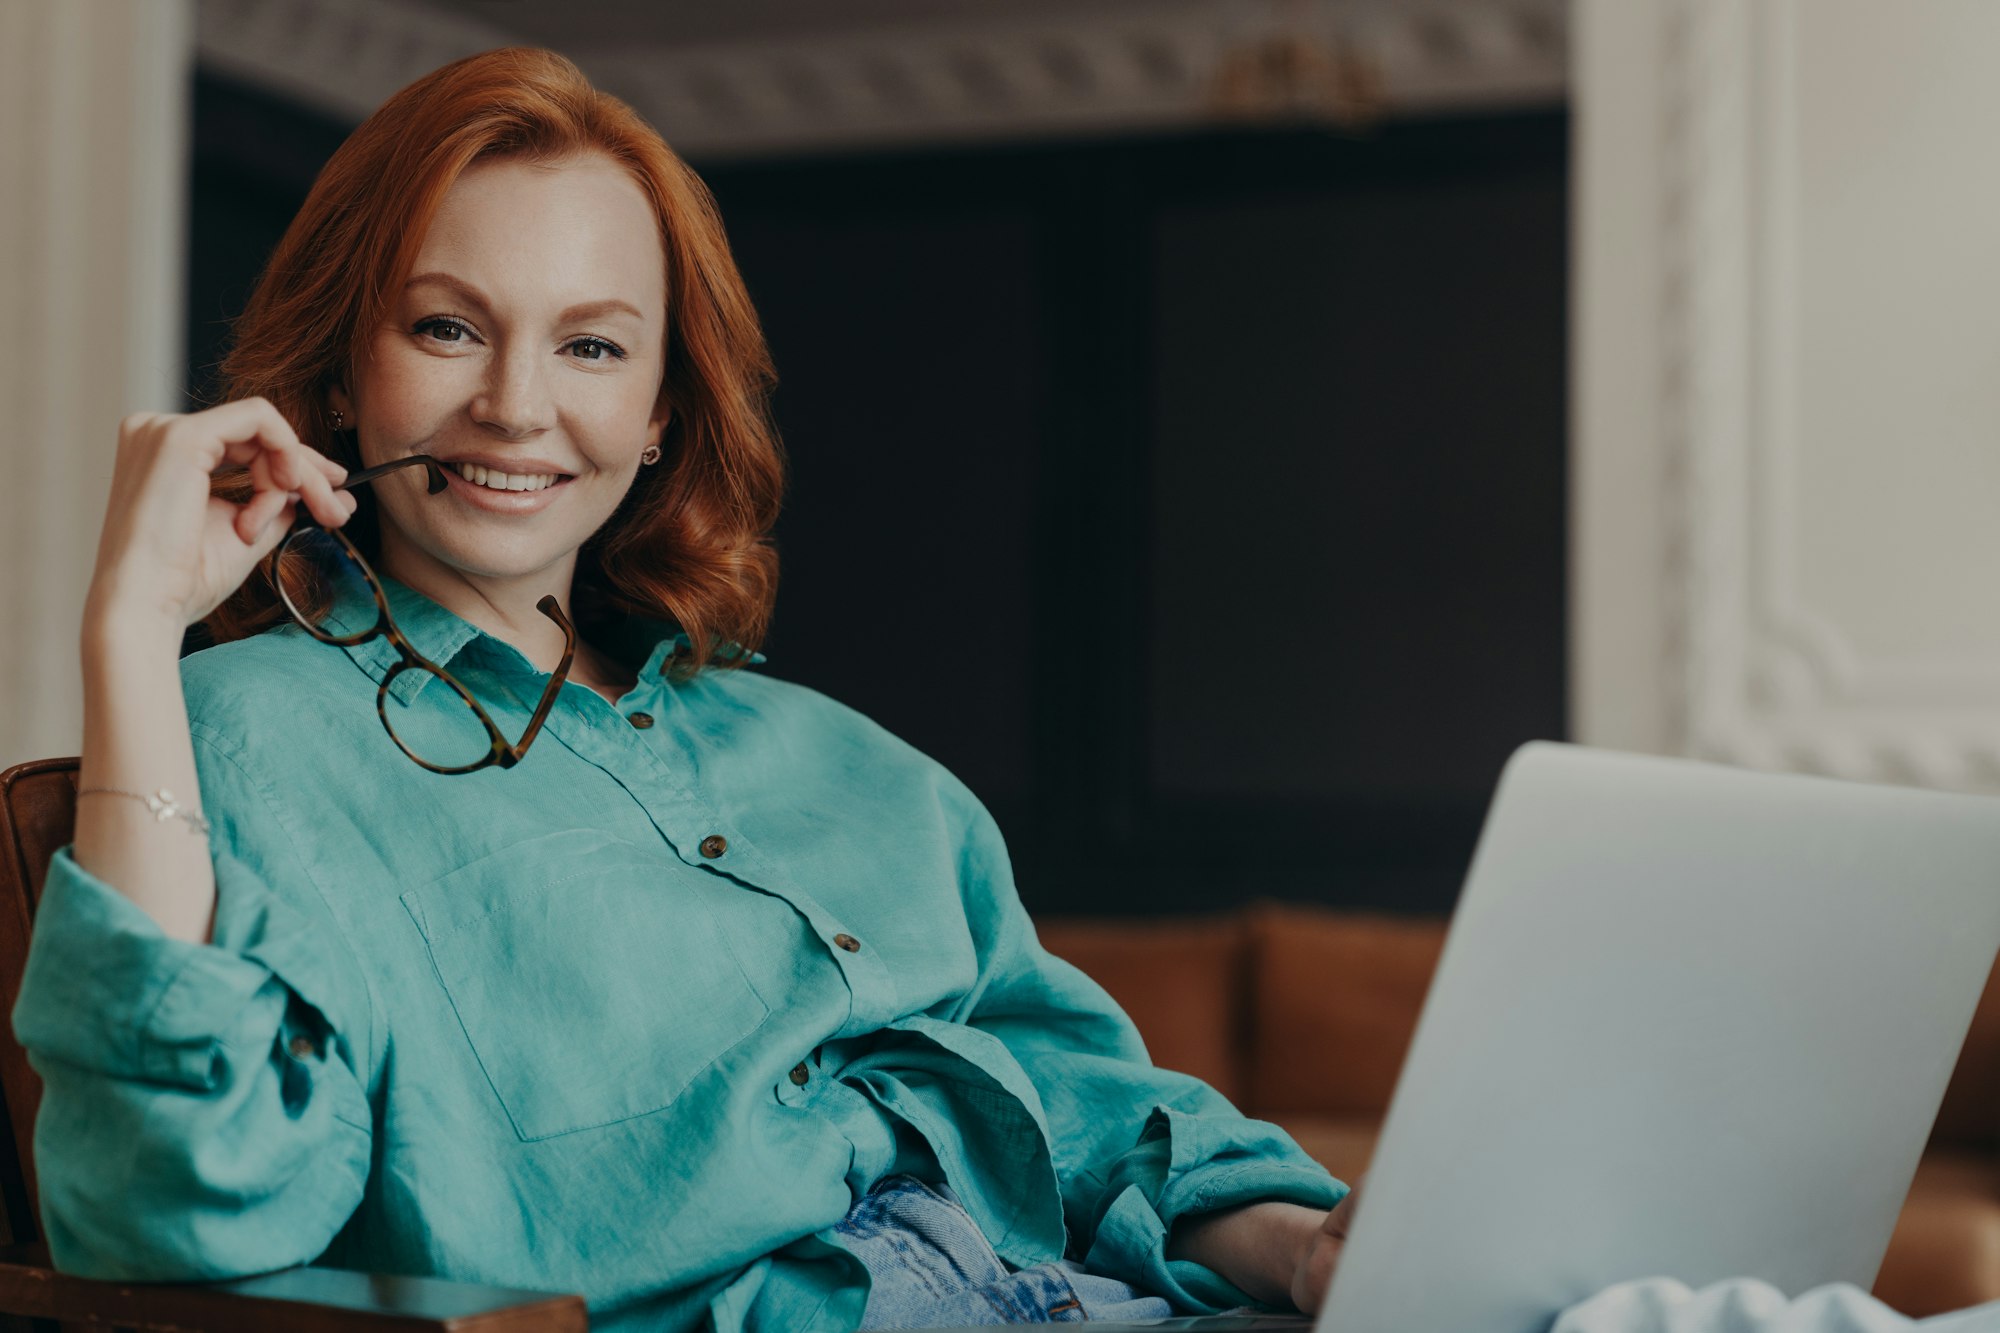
[[656, 428], [338, 400]]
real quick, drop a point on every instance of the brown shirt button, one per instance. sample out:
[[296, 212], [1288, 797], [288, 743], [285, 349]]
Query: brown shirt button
[[302, 1047], [847, 942], [642, 720], [800, 1073], [714, 845]]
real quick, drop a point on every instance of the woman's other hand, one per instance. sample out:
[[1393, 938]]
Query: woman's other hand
[[1314, 1273], [1273, 1252], [170, 552]]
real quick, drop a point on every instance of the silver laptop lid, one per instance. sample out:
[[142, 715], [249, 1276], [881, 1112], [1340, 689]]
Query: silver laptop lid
[[1689, 1021]]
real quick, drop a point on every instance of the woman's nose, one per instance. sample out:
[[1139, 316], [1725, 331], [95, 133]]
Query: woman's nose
[[514, 400]]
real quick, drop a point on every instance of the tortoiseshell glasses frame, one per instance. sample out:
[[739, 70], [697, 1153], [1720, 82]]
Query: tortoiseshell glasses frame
[[502, 752]]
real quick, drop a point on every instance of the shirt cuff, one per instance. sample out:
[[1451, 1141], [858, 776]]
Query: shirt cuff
[[105, 989], [1185, 1164]]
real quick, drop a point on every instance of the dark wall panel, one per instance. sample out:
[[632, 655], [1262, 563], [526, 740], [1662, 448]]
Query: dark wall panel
[[254, 158], [1199, 501], [1358, 491], [907, 347]]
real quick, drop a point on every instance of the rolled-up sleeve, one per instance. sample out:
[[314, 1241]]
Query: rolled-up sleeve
[[203, 1110], [1137, 1147]]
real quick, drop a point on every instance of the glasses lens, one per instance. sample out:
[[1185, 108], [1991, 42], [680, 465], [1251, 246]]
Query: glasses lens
[[438, 726], [331, 554]]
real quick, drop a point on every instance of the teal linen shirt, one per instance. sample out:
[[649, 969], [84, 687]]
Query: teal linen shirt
[[521, 1027]]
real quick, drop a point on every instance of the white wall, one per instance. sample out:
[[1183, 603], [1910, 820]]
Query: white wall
[[1787, 471], [93, 171]]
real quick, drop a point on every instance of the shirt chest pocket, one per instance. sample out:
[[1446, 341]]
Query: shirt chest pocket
[[589, 975]]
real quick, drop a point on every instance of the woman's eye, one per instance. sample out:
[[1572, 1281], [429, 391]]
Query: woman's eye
[[441, 327], [595, 349]]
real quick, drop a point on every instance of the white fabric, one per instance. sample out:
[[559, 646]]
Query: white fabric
[[1744, 1305]]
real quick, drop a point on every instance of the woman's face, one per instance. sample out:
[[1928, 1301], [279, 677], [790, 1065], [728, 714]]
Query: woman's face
[[526, 353]]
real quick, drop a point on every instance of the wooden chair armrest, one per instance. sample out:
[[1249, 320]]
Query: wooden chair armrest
[[300, 1300]]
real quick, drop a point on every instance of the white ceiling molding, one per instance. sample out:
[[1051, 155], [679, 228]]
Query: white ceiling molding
[[1178, 64], [341, 57]]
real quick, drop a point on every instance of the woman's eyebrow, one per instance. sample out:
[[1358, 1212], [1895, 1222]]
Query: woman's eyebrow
[[596, 309], [471, 295]]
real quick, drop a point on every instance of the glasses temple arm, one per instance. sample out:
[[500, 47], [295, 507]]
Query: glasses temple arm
[[431, 465]]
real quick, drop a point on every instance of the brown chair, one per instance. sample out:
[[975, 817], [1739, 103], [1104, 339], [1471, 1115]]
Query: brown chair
[[37, 815]]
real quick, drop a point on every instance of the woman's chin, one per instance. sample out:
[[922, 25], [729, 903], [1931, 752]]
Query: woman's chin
[[490, 562], [495, 550]]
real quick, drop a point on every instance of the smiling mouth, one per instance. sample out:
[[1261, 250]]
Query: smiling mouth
[[494, 480]]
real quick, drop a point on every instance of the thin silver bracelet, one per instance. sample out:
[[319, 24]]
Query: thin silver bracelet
[[161, 803]]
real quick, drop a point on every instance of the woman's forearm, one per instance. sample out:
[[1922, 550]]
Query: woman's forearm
[[170, 552], [135, 739]]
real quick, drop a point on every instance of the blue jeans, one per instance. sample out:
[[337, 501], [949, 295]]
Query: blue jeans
[[931, 1267]]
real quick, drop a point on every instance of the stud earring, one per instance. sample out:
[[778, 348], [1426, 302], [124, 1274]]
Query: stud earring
[[339, 419], [651, 454]]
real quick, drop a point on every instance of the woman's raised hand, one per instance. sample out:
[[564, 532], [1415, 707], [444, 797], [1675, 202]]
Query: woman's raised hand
[[170, 552]]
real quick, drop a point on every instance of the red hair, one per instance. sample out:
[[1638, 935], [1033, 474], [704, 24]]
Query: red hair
[[690, 542]]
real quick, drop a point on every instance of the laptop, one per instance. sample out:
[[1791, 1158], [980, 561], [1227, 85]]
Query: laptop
[[1690, 1022]]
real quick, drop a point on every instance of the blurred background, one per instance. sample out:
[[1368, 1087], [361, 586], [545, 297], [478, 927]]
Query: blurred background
[[1220, 431]]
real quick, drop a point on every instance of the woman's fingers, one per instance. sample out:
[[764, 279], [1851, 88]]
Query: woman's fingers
[[1315, 1275], [254, 432], [244, 428], [1341, 1219], [333, 471], [274, 529], [294, 470], [254, 517], [330, 508]]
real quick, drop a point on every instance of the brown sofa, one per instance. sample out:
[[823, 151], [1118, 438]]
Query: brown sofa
[[1301, 1016]]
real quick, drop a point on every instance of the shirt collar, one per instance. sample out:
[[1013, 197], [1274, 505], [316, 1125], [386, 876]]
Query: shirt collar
[[442, 635]]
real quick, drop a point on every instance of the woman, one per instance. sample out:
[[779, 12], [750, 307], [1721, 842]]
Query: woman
[[696, 992]]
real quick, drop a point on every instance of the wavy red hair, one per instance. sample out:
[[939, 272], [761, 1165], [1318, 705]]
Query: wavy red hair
[[690, 543]]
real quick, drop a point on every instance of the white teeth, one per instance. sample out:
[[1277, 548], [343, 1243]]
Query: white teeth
[[502, 481]]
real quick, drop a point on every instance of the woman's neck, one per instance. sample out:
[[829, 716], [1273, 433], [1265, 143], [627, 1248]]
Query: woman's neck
[[504, 607], [606, 675]]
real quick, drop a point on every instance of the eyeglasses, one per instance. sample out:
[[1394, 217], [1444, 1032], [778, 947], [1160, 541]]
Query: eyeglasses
[[448, 740]]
